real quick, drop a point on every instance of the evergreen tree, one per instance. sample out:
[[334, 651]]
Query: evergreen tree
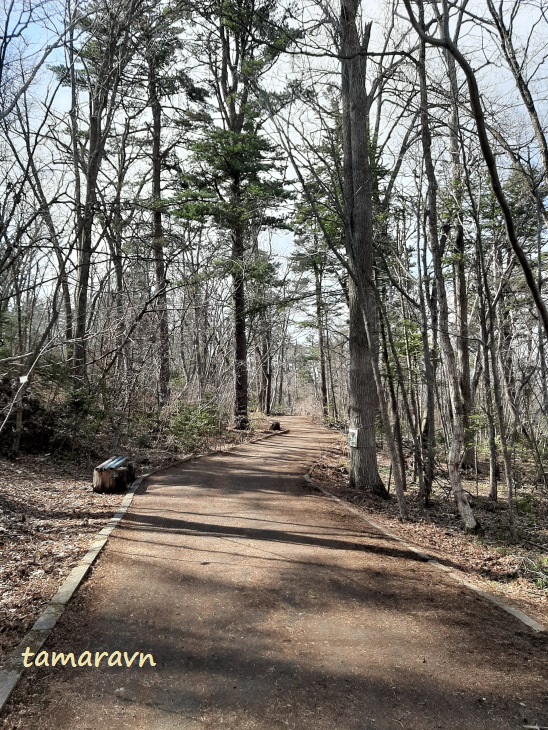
[[233, 178]]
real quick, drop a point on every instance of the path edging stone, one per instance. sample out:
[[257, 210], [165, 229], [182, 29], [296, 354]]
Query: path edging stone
[[13, 667], [454, 574]]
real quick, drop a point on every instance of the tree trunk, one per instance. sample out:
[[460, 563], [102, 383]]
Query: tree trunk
[[541, 333], [321, 342], [490, 345], [437, 246], [334, 407], [158, 238], [461, 287], [362, 405], [493, 466], [241, 420], [497, 392], [394, 407], [428, 432], [364, 472]]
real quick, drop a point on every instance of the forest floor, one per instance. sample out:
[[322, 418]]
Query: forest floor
[[516, 570], [267, 606], [49, 515]]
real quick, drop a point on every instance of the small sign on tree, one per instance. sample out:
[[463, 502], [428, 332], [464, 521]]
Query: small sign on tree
[[353, 437]]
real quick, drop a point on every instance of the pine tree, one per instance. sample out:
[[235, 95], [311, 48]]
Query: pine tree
[[233, 180]]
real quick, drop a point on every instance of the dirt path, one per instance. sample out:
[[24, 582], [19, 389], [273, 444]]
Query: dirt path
[[267, 606]]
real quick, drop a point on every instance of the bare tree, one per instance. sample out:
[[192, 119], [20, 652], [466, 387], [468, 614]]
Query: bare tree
[[446, 42]]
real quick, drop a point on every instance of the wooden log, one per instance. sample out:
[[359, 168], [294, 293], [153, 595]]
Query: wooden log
[[130, 466], [103, 481]]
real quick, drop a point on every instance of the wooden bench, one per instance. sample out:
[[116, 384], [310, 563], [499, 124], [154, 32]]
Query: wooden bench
[[113, 475]]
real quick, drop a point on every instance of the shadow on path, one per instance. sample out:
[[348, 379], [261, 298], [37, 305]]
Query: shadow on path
[[267, 607]]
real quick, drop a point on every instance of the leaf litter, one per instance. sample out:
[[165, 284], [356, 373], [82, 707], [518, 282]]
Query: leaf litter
[[49, 515]]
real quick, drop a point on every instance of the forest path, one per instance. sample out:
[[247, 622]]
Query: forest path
[[266, 605]]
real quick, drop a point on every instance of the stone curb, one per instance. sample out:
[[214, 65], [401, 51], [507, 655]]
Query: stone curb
[[34, 639], [456, 575]]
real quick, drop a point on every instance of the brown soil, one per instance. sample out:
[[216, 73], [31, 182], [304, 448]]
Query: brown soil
[[265, 605]]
